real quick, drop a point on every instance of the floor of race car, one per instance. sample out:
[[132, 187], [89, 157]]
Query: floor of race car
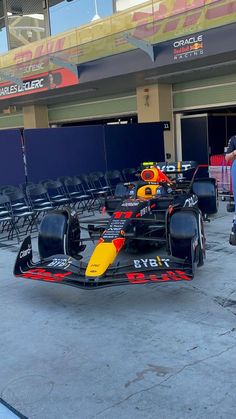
[[140, 351]]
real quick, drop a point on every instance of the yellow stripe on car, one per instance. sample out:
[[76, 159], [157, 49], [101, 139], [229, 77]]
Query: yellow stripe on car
[[103, 256]]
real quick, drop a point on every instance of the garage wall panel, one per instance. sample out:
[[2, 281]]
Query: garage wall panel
[[97, 109], [205, 93]]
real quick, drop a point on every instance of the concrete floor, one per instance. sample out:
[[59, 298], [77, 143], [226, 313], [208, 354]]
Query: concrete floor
[[145, 351]]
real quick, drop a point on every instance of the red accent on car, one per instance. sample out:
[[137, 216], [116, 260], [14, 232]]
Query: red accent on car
[[118, 243], [170, 209], [136, 278], [44, 275], [122, 214], [140, 278]]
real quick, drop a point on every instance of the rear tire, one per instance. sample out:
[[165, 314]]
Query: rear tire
[[207, 193]]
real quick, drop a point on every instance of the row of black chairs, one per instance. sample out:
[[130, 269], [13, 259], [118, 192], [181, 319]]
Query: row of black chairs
[[22, 207]]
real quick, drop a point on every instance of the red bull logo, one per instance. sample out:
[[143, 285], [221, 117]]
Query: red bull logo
[[188, 47], [196, 46]]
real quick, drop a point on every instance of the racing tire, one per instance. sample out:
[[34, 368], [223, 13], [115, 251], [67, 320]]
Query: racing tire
[[183, 230], [207, 193], [59, 233], [230, 207]]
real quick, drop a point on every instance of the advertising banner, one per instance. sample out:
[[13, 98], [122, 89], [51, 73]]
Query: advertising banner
[[38, 83], [152, 21], [126, 4], [155, 21]]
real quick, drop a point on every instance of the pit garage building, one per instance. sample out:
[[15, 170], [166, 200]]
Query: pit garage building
[[131, 61]]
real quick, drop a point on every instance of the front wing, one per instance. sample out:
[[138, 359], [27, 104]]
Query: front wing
[[66, 270]]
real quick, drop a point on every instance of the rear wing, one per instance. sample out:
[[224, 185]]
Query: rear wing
[[171, 167]]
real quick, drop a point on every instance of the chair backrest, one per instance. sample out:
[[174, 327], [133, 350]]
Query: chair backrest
[[63, 179], [9, 188], [36, 191], [129, 174], [55, 186], [17, 198], [86, 181], [73, 185], [5, 207], [4, 199], [113, 177]]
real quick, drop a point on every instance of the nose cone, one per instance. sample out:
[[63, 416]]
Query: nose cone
[[103, 256]]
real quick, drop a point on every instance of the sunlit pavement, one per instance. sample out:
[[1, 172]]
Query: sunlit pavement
[[138, 351]]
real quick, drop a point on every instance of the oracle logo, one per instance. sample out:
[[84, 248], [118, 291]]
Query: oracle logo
[[188, 41]]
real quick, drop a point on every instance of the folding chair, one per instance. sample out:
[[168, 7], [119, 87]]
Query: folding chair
[[7, 222], [129, 174], [75, 192], [57, 193], [21, 210], [39, 200], [113, 178]]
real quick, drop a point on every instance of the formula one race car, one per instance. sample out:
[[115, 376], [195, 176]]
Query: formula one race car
[[144, 215]]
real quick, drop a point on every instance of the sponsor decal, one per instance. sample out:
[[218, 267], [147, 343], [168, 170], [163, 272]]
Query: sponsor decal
[[191, 201], [151, 263], [40, 83], [159, 21], [114, 229], [130, 204], [25, 252], [60, 263], [22, 70], [145, 211], [140, 278], [188, 47], [175, 167], [44, 275]]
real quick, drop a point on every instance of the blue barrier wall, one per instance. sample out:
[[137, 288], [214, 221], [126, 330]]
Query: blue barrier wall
[[69, 151], [131, 144], [12, 164]]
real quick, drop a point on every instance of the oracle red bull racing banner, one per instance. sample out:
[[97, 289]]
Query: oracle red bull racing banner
[[188, 47], [38, 83]]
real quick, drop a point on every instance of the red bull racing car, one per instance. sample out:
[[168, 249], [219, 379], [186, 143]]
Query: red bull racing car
[[156, 222]]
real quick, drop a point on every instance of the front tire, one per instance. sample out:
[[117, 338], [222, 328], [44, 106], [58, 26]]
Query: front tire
[[59, 233], [186, 236]]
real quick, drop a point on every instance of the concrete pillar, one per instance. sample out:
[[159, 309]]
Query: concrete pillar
[[154, 104], [35, 116]]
